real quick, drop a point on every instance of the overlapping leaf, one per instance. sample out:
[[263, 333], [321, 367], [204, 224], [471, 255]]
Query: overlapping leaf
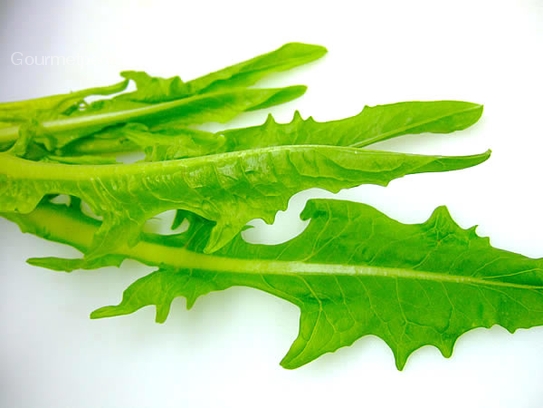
[[218, 96], [373, 124], [353, 272], [230, 189], [244, 74]]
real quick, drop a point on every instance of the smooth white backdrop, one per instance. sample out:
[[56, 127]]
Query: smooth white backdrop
[[225, 351]]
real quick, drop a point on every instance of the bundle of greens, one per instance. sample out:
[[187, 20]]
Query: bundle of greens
[[352, 272]]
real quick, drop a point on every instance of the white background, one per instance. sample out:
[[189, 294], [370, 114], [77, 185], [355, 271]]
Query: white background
[[225, 351]]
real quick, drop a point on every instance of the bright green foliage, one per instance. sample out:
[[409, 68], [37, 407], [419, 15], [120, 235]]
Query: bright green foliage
[[221, 107], [218, 97], [47, 107], [230, 177], [241, 75], [352, 272], [230, 188], [373, 124]]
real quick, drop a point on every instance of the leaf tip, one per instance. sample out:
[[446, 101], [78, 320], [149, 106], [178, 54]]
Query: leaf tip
[[101, 313], [286, 366], [162, 312], [400, 361], [317, 51], [190, 301], [270, 121], [446, 350]]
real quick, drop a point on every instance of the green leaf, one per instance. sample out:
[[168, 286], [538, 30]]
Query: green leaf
[[56, 107], [230, 189], [241, 75], [372, 125], [171, 143], [247, 73], [65, 118], [353, 272], [213, 107], [52, 106]]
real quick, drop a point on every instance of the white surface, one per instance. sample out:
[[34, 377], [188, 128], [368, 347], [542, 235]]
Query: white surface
[[225, 352]]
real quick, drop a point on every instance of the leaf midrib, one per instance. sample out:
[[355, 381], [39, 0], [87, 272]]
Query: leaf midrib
[[155, 254], [10, 134], [19, 168], [405, 129], [64, 227]]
